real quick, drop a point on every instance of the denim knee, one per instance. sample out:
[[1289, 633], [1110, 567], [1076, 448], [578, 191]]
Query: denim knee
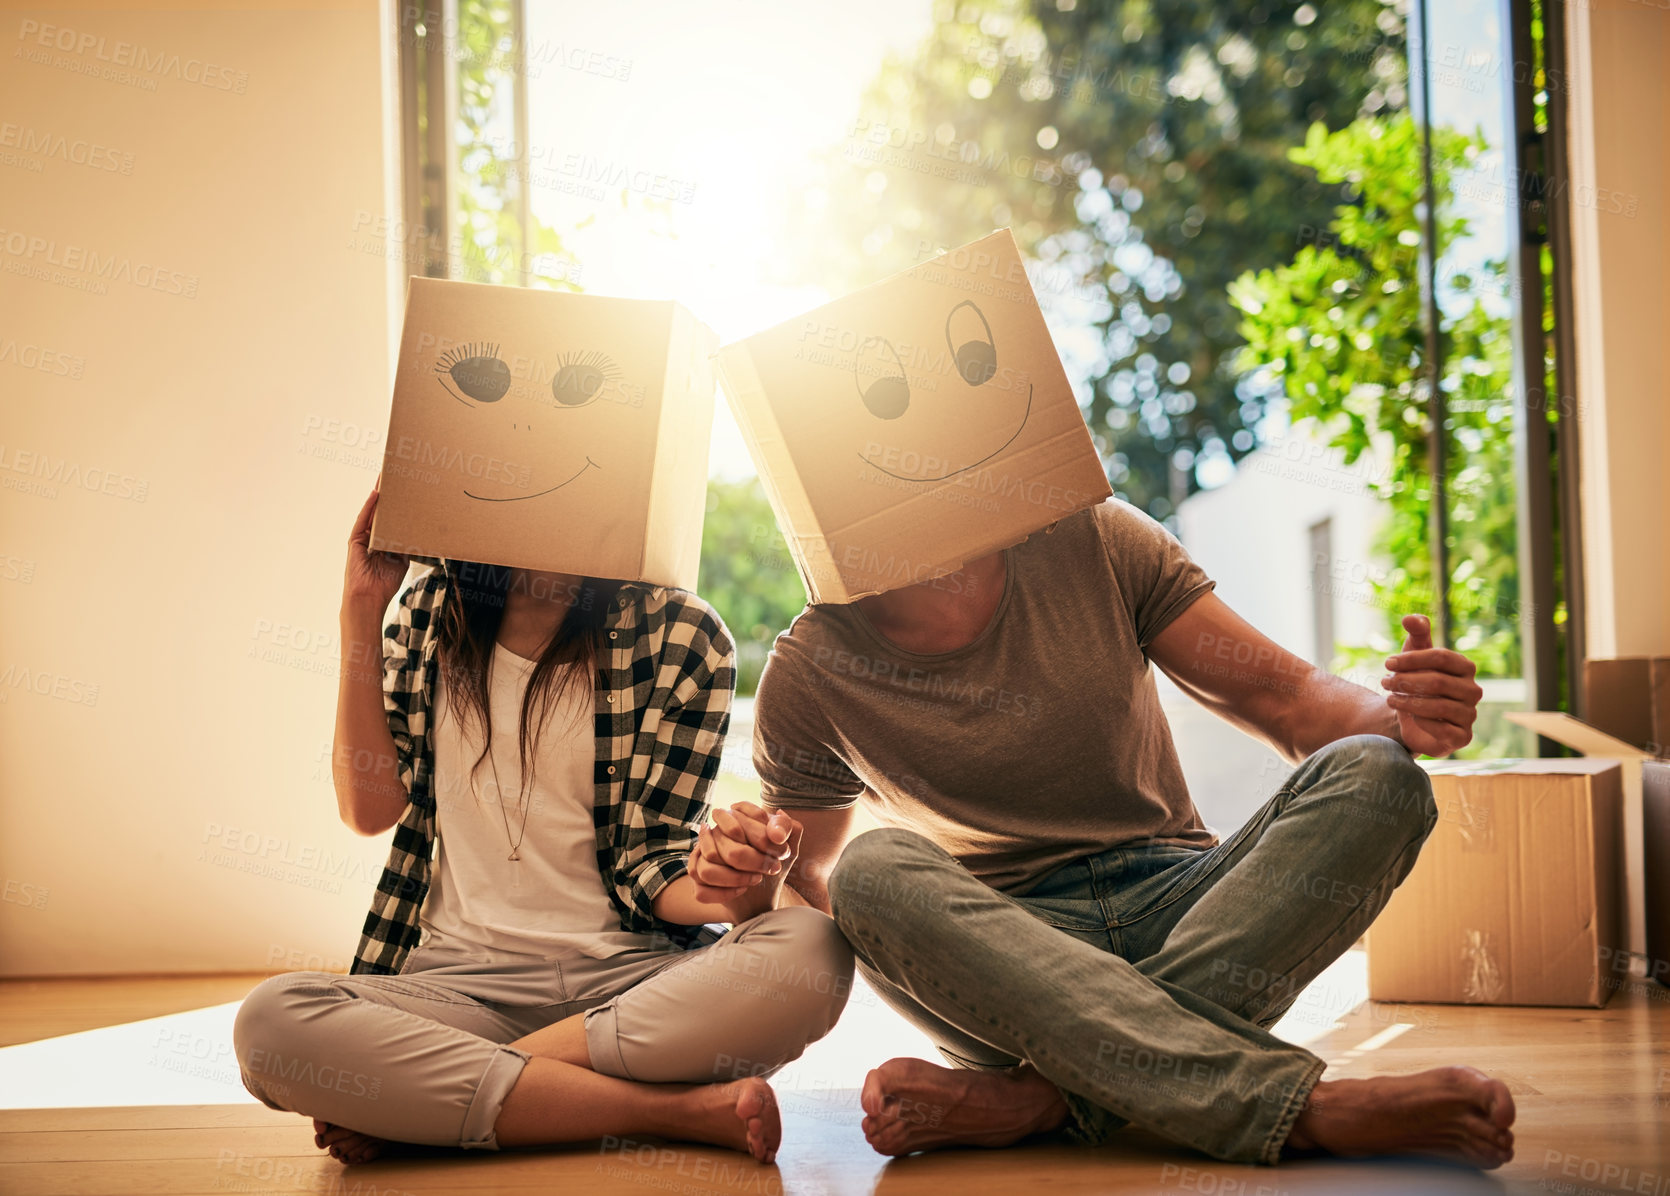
[[1391, 787], [868, 878]]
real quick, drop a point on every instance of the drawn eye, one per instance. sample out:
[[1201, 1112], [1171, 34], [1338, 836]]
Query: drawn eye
[[581, 377], [476, 370], [975, 354], [888, 395]]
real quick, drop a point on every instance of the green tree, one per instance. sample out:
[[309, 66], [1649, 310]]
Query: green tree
[[1339, 330], [747, 573], [1139, 151], [489, 171]]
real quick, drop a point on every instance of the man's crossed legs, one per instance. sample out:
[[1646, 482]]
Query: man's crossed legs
[[1137, 986]]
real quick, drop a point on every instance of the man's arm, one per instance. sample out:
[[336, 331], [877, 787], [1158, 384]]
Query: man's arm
[[826, 833], [1244, 677]]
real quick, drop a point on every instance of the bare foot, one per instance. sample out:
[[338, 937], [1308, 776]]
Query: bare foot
[[742, 1115], [346, 1145], [911, 1105], [1454, 1113]]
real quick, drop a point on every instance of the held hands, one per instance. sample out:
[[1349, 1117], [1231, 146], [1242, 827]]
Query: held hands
[[371, 579], [1431, 692], [741, 860]]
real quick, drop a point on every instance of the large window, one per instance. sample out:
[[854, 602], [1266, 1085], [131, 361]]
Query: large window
[[1494, 314], [1306, 251]]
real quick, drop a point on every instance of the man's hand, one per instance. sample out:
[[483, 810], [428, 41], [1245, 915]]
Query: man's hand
[[741, 860], [1432, 693]]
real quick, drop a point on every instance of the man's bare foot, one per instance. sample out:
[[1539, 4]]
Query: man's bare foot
[[742, 1115], [911, 1105], [1454, 1113], [346, 1145]]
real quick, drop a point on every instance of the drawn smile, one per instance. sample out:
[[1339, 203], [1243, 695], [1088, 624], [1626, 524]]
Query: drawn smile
[[590, 464], [974, 465]]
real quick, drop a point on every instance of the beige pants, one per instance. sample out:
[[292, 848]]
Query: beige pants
[[421, 1057]]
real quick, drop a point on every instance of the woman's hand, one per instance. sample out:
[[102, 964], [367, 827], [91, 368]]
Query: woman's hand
[[742, 859], [371, 579]]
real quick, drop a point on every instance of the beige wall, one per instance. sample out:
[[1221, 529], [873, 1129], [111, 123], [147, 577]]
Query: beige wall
[[173, 497], [1620, 149]]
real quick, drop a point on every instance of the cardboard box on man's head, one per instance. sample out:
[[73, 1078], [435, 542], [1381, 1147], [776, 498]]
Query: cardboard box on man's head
[[549, 431], [915, 425]]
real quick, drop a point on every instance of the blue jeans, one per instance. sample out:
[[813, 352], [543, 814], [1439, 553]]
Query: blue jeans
[[1142, 981]]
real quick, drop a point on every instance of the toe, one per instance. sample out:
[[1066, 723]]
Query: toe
[[874, 1095], [1501, 1109], [749, 1102]]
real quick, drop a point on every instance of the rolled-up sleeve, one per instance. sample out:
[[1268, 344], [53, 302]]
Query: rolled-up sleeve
[[699, 661], [1158, 580], [793, 753], [403, 638]]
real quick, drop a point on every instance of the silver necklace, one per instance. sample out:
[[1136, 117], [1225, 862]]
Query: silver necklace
[[498, 790]]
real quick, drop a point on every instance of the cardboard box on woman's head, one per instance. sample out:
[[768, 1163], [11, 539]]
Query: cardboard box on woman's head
[[915, 425], [549, 431]]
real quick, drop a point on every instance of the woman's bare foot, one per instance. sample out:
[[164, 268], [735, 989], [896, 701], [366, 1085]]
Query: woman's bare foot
[[1454, 1113], [742, 1115], [911, 1105], [346, 1145]]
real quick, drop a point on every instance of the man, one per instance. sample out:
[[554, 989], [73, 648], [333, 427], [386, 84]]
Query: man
[[1044, 900]]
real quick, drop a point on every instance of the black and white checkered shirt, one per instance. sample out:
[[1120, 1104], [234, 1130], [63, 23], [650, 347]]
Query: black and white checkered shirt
[[663, 702]]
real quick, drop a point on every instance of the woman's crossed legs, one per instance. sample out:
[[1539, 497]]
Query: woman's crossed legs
[[457, 1053]]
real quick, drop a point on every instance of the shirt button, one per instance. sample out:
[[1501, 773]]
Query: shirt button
[[611, 770], [611, 635], [611, 697]]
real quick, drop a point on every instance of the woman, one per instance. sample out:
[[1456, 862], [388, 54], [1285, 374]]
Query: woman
[[532, 969]]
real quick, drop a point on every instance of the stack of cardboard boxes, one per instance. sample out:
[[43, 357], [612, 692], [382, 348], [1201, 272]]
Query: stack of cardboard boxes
[[1546, 881]]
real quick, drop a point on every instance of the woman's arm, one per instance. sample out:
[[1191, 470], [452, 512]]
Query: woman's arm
[[698, 662], [364, 764], [737, 869]]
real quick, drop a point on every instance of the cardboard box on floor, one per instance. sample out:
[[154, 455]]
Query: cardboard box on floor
[[1644, 919], [1628, 698], [550, 431], [915, 425], [1514, 899], [1655, 831]]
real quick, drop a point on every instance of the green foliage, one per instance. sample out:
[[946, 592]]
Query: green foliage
[[1139, 151], [1341, 329], [489, 181], [747, 573]]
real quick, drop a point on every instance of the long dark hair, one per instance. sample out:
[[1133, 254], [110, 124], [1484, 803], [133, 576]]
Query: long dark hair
[[468, 628]]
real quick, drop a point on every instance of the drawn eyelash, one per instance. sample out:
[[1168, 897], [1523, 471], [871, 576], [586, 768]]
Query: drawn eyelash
[[475, 369], [581, 377]]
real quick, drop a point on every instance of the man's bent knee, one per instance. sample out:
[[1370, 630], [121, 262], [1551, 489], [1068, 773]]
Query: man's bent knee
[[1389, 789], [873, 876]]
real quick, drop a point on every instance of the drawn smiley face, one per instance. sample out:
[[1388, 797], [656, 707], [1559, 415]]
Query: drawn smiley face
[[887, 395], [475, 375]]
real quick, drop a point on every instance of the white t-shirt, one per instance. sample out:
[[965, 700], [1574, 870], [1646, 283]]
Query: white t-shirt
[[550, 902]]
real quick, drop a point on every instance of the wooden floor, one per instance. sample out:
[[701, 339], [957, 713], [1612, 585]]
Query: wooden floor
[[1592, 1087]]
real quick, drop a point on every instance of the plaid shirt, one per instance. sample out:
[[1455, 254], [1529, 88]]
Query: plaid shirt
[[663, 702]]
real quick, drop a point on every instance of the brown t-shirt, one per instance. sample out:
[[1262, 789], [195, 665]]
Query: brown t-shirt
[[1040, 742]]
